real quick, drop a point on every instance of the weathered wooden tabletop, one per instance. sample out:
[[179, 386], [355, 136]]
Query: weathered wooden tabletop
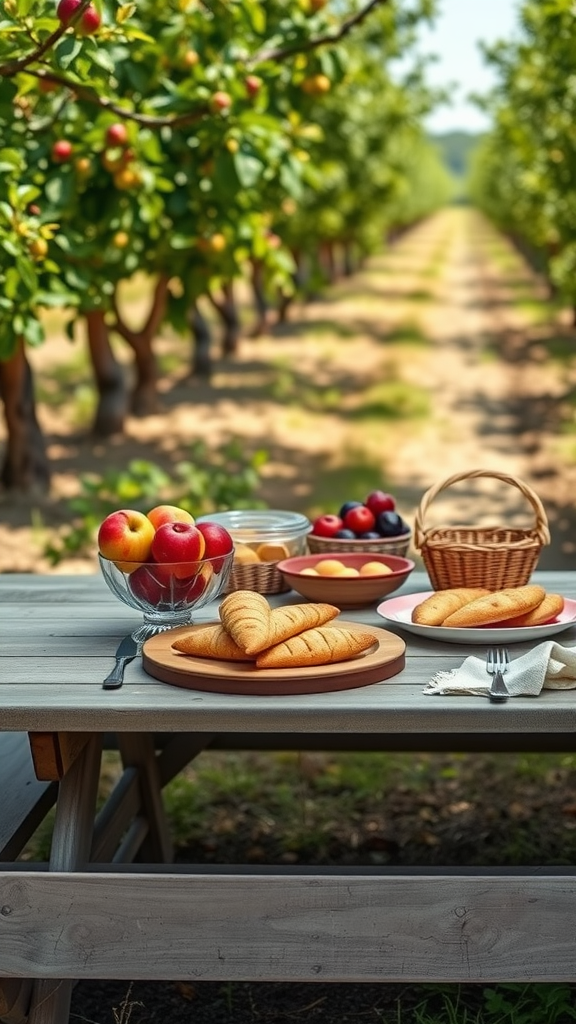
[[58, 635]]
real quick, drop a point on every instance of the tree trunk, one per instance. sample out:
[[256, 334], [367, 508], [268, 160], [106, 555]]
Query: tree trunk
[[201, 355], [226, 308], [112, 406], [25, 466], [144, 399], [262, 323], [348, 258], [328, 261]]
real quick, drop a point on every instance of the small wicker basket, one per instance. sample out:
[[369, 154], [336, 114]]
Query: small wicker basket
[[385, 546], [491, 557], [263, 577]]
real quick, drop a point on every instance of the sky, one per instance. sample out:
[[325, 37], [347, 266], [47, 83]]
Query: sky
[[458, 27]]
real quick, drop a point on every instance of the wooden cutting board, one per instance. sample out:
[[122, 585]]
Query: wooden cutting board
[[385, 659]]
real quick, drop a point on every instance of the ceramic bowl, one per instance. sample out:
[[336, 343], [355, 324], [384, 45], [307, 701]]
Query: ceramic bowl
[[345, 591]]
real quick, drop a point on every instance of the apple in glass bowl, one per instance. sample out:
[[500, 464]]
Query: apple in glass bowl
[[166, 571]]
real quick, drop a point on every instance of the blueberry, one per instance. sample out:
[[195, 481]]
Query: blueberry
[[347, 506], [370, 535], [345, 535], [390, 524]]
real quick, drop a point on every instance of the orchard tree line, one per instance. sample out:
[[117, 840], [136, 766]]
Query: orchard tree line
[[196, 142], [524, 171]]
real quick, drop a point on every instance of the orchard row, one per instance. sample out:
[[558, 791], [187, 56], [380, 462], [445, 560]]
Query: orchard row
[[524, 176], [198, 147]]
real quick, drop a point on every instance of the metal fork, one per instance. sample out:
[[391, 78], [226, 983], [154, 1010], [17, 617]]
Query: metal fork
[[497, 661]]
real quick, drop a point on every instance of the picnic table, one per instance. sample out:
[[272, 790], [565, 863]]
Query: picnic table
[[109, 904]]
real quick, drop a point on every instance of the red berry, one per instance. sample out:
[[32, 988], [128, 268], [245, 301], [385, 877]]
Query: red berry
[[380, 501], [359, 519], [327, 525]]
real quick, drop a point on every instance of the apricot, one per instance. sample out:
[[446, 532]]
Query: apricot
[[329, 567], [375, 569]]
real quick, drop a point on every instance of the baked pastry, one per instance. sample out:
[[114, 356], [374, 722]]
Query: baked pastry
[[436, 608], [497, 607], [546, 611], [246, 617], [210, 642], [295, 618], [321, 646]]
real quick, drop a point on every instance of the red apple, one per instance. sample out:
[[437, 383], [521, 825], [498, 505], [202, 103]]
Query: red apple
[[218, 542], [161, 514], [253, 84], [116, 135], [126, 537], [327, 525], [176, 545], [380, 501], [220, 102], [62, 151], [146, 587], [360, 519], [88, 22], [192, 589]]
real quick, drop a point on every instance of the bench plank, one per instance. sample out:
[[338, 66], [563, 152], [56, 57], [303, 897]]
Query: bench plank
[[25, 800], [281, 927]]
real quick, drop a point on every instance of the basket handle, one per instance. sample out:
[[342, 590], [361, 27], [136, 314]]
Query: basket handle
[[542, 531]]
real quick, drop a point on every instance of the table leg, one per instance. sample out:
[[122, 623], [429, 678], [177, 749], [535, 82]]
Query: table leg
[[137, 751], [71, 842]]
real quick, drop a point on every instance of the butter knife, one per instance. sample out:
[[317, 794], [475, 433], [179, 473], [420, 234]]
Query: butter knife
[[128, 648]]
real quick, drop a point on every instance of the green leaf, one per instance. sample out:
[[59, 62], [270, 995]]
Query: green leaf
[[27, 273], [248, 168], [33, 331], [67, 49]]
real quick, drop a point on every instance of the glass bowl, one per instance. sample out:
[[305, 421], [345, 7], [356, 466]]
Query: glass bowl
[[167, 593]]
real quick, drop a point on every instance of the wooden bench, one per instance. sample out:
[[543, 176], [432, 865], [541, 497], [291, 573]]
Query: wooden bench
[[25, 800], [25, 803]]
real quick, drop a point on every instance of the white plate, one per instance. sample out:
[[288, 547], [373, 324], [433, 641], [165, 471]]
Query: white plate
[[397, 611]]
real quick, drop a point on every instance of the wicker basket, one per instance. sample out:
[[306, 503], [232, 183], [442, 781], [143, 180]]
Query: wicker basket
[[263, 577], [491, 557], [385, 546]]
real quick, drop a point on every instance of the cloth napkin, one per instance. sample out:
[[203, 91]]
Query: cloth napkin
[[547, 666]]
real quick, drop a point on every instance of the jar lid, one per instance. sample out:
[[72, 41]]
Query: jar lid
[[266, 523]]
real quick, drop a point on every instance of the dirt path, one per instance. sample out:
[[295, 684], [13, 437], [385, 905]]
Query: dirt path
[[442, 325]]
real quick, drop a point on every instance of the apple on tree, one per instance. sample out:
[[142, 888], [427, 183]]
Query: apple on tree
[[62, 151], [87, 23], [116, 134]]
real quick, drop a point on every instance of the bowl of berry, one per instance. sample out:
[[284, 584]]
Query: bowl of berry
[[360, 526]]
